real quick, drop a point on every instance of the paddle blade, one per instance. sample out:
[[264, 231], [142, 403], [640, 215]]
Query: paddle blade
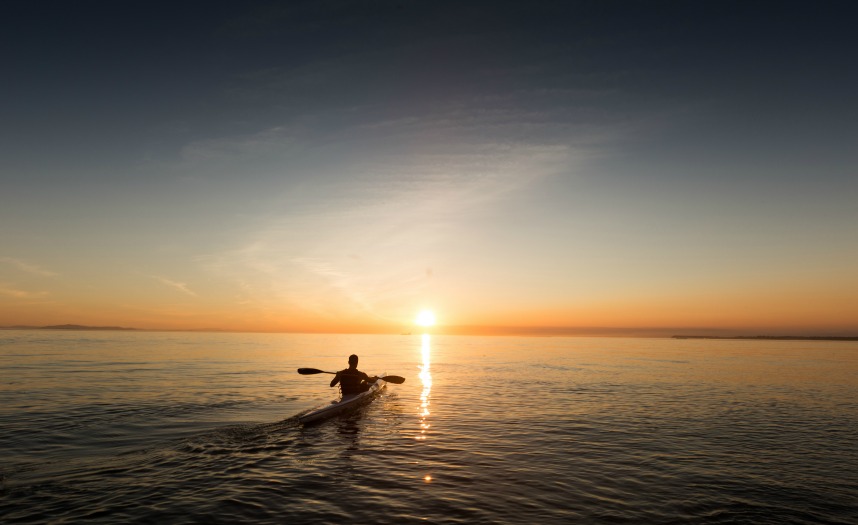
[[310, 371], [396, 380]]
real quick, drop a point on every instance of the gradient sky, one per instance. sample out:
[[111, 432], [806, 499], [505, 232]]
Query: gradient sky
[[333, 165]]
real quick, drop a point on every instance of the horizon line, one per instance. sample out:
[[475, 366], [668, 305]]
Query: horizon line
[[498, 330]]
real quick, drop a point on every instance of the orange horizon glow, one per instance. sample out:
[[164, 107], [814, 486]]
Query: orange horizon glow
[[739, 329], [810, 309]]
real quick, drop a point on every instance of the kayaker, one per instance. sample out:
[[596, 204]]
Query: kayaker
[[352, 380]]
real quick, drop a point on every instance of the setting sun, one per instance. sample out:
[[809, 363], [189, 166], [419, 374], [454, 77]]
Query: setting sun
[[425, 318]]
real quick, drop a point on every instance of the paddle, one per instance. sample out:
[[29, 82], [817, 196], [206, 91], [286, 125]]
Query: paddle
[[396, 380]]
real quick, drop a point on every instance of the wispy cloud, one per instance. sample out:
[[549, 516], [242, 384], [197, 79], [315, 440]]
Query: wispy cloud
[[28, 267], [278, 138], [360, 243], [182, 287], [10, 291], [336, 278]]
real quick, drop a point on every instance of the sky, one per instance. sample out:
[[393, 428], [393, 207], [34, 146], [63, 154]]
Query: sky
[[515, 167]]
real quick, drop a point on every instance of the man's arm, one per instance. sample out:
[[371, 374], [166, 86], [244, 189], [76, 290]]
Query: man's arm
[[335, 380]]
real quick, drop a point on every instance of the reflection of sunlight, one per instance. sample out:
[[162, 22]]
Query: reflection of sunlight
[[426, 379]]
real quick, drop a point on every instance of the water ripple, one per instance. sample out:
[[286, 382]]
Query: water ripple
[[564, 432]]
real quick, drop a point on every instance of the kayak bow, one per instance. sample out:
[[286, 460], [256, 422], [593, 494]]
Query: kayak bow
[[343, 404]]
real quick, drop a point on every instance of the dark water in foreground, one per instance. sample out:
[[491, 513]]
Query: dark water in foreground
[[117, 427]]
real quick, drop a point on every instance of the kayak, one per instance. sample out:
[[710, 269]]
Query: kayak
[[345, 403]]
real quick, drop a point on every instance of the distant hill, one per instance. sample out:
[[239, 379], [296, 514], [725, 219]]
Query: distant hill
[[66, 327], [82, 327], [770, 337]]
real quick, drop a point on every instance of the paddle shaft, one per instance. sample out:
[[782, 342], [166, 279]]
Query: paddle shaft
[[390, 379]]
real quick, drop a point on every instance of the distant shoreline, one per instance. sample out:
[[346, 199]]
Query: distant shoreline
[[69, 327], [499, 333], [769, 337]]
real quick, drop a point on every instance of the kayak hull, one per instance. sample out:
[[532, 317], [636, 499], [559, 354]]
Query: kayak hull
[[342, 405]]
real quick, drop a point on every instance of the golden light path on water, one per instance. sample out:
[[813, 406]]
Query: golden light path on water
[[426, 379]]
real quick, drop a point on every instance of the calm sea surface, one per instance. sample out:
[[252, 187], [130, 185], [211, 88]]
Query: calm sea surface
[[128, 427]]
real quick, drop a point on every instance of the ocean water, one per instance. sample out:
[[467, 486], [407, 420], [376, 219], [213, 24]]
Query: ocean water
[[147, 427]]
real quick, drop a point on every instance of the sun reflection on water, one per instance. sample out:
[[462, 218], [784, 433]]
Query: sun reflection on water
[[426, 379]]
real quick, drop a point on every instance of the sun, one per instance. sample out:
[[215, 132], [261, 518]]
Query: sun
[[425, 318]]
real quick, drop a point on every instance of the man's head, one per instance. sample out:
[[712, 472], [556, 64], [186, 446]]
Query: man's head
[[353, 361]]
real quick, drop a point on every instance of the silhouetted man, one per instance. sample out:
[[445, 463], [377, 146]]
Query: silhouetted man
[[352, 380]]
